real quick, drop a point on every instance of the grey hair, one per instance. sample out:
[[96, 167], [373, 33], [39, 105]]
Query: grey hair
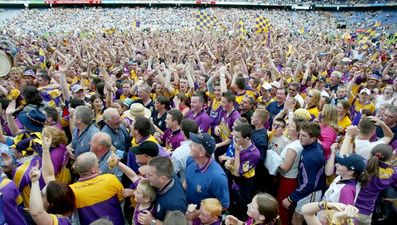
[[84, 163], [85, 114], [108, 113]]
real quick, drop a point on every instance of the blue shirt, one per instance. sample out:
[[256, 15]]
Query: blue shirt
[[207, 182], [311, 175], [120, 137], [104, 167], [260, 140], [81, 141], [274, 109], [171, 198]]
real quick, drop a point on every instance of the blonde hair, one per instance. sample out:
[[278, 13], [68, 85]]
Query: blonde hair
[[58, 135], [212, 206], [263, 114], [315, 99], [330, 116], [148, 191]]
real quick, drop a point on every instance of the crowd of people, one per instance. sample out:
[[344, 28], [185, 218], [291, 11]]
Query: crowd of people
[[106, 122]]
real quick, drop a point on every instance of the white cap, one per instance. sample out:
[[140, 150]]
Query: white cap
[[275, 84]]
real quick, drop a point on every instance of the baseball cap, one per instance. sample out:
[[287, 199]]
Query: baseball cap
[[127, 102], [149, 148], [77, 88], [346, 60], [275, 84], [366, 91], [321, 79], [353, 162], [374, 77], [206, 140], [29, 72], [266, 86]]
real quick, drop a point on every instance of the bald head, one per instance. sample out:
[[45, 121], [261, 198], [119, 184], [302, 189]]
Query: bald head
[[86, 164], [100, 144]]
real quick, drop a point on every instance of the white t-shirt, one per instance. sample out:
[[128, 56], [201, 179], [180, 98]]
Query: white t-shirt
[[297, 147], [364, 147], [277, 144], [380, 101]]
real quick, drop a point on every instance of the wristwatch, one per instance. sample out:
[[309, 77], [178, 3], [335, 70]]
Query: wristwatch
[[153, 222]]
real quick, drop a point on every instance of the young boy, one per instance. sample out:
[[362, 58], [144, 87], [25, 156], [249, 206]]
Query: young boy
[[210, 212], [144, 194], [277, 141], [241, 169]]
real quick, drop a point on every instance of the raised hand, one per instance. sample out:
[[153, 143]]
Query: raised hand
[[11, 109], [35, 173], [47, 139], [113, 161]]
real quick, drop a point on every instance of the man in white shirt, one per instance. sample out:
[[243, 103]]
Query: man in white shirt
[[366, 129], [180, 154]]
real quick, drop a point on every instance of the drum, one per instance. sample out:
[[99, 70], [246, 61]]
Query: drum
[[5, 64]]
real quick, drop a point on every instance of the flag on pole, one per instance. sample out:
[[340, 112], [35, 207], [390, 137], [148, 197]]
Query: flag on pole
[[262, 25], [243, 33], [205, 20], [42, 58], [136, 23]]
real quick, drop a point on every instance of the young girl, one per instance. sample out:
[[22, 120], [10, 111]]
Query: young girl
[[329, 128], [345, 187], [381, 173], [262, 210], [144, 196]]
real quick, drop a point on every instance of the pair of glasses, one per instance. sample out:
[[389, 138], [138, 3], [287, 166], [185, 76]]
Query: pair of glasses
[[276, 125]]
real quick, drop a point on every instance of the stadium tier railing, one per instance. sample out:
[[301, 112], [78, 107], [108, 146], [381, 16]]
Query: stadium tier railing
[[293, 4]]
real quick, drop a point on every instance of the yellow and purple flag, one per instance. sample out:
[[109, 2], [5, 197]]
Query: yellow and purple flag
[[262, 25]]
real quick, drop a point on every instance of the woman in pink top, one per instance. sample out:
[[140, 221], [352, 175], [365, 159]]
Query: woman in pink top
[[329, 128]]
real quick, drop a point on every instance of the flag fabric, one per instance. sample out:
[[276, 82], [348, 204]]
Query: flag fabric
[[205, 20], [136, 23], [218, 23], [51, 96], [262, 25], [42, 58], [302, 30], [242, 31], [392, 39]]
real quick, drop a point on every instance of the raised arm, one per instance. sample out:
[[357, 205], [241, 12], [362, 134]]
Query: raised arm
[[222, 78], [388, 133], [347, 144], [10, 118], [47, 166], [114, 161], [36, 207], [210, 82]]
